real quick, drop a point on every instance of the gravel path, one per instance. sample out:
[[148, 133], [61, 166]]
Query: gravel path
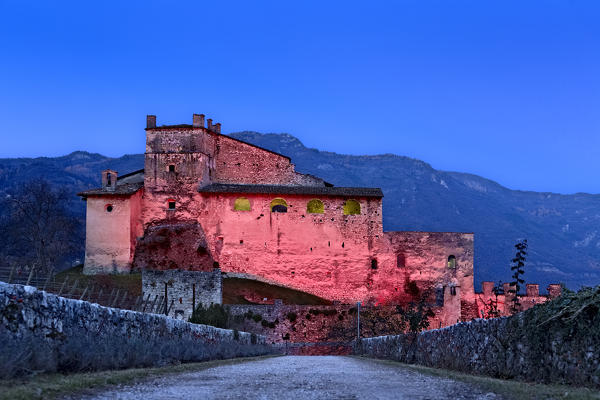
[[298, 377]]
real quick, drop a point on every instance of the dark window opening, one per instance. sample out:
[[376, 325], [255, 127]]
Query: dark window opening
[[109, 208], [453, 290], [171, 205], [400, 260], [171, 168], [374, 263], [108, 180], [280, 208], [342, 245], [451, 262], [241, 241]]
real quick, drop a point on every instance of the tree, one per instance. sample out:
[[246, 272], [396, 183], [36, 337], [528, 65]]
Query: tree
[[416, 315], [518, 269], [491, 308], [37, 228]]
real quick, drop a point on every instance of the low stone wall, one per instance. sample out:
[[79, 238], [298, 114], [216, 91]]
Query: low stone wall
[[522, 347], [41, 332]]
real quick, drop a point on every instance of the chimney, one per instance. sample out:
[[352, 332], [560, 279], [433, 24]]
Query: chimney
[[488, 288], [198, 121], [150, 121], [218, 127], [532, 289], [209, 124]]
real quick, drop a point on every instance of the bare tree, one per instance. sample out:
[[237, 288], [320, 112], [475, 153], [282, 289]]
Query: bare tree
[[37, 228]]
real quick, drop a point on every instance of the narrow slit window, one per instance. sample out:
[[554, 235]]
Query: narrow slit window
[[451, 262], [171, 168]]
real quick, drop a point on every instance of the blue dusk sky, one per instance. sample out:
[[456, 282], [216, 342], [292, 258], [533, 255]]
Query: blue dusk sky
[[509, 90]]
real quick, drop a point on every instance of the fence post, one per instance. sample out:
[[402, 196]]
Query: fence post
[[30, 276], [358, 320], [72, 292], [10, 275], [153, 303], [48, 279], [63, 286], [170, 307], [145, 303], [99, 296], [116, 298], [84, 292]]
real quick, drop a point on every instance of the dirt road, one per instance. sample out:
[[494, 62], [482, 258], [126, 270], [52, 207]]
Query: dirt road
[[297, 377]]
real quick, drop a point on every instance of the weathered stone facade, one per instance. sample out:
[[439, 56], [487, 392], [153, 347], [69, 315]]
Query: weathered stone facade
[[535, 345], [43, 332], [184, 290], [252, 213]]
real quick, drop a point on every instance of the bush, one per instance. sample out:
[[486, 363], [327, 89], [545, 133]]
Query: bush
[[257, 317], [215, 315], [292, 316]]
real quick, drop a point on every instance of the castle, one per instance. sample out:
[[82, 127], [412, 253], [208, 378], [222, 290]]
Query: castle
[[205, 200]]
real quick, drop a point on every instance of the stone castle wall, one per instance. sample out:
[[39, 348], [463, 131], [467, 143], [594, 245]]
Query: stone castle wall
[[46, 333], [529, 346], [183, 289]]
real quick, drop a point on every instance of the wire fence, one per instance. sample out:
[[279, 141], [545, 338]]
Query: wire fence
[[79, 289]]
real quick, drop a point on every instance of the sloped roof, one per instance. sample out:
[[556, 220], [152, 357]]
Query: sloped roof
[[283, 189], [124, 189]]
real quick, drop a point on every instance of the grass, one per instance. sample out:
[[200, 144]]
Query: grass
[[509, 389], [234, 289], [52, 386], [132, 283]]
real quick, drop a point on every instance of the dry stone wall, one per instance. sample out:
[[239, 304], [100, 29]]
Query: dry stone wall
[[522, 347], [42, 332]]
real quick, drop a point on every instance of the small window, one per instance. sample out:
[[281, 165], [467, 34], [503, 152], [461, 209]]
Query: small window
[[171, 168], [373, 263], [351, 207], [108, 179], [171, 203], [241, 204], [453, 290], [279, 205], [315, 206], [451, 262], [400, 260], [109, 208]]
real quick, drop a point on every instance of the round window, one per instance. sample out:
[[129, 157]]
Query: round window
[[109, 208]]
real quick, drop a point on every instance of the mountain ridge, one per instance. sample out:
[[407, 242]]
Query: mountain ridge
[[561, 228]]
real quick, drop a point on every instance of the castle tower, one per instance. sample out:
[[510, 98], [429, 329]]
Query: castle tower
[[179, 158]]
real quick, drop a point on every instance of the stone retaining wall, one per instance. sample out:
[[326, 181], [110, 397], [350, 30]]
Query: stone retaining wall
[[41, 332], [516, 347]]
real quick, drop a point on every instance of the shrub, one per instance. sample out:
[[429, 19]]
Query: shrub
[[292, 316], [214, 315], [257, 317]]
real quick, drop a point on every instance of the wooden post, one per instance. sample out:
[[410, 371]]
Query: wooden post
[[63, 286], [110, 297], [84, 292], [72, 292], [30, 276], [99, 296], [170, 307], [153, 304], [193, 298], [48, 279], [166, 296], [145, 303], [115, 299], [10, 275]]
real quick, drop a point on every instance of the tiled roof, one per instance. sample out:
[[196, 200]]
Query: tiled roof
[[282, 189], [125, 189]]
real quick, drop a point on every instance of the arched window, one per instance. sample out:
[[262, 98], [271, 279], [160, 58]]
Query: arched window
[[171, 203], [315, 206], [351, 207], [241, 204], [279, 205], [400, 260], [451, 262]]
